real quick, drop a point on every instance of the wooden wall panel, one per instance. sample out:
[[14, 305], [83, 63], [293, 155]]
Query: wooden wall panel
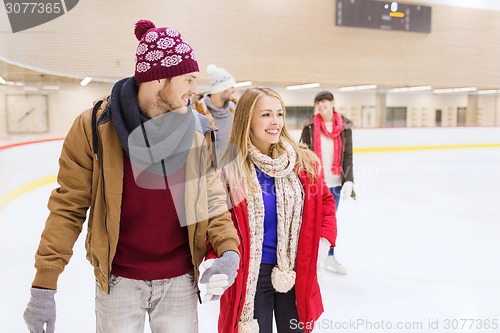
[[276, 42]]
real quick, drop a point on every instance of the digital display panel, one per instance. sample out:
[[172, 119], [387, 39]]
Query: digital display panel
[[385, 15]]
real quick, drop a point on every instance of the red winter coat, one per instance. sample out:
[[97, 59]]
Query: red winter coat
[[318, 220]]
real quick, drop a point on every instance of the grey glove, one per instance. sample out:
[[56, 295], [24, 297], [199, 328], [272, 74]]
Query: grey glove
[[41, 310], [220, 275]]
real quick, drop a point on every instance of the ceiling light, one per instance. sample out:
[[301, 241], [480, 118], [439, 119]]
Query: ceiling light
[[303, 86], [51, 87], [356, 88], [13, 83], [243, 84], [488, 92], [2, 80], [454, 90], [85, 81], [407, 89], [30, 88]]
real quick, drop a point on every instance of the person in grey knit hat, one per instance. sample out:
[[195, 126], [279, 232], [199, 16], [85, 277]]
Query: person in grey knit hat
[[218, 104], [140, 162]]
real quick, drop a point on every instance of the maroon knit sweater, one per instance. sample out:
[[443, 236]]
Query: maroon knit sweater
[[152, 244]]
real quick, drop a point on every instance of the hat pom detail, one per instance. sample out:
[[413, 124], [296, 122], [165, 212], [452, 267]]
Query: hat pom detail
[[141, 27], [211, 69]]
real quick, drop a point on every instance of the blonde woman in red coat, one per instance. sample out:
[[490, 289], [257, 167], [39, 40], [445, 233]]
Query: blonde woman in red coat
[[284, 214]]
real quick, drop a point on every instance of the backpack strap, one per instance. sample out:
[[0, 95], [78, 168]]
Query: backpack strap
[[95, 140], [203, 126], [214, 151]]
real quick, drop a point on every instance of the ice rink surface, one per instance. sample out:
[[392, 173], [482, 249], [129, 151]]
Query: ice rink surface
[[421, 245]]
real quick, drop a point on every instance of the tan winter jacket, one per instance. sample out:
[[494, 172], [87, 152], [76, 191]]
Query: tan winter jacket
[[96, 183]]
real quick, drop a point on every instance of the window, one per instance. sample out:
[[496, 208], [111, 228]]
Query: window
[[396, 117], [297, 115]]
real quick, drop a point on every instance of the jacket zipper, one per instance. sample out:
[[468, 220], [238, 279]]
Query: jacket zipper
[[196, 287], [197, 290], [101, 167]]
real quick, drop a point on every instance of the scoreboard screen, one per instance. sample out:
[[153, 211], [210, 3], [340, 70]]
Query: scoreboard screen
[[385, 15]]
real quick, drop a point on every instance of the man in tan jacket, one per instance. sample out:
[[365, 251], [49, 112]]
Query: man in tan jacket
[[141, 160]]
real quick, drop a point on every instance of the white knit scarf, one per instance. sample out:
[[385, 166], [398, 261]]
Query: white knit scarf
[[289, 200]]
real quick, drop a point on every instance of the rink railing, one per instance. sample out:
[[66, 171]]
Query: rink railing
[[30, 165]]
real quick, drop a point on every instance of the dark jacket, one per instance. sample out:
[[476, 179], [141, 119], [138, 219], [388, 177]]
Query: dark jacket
[[307, 137]]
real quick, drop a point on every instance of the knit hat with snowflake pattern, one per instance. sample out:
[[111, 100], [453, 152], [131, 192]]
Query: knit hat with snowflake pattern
[[219, 78], [162, 53]]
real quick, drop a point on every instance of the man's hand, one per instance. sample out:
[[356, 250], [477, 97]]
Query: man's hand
[[220, 275], [41, 310]]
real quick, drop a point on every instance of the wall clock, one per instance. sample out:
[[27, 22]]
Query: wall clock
[[27, 113]]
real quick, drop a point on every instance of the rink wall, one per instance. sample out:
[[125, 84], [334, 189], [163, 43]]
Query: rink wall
[[26, 166], [390, 139]]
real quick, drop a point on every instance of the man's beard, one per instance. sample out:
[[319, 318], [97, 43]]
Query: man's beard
[[168, 101]]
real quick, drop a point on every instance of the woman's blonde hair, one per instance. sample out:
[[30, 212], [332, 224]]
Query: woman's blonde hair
[[236, 158]]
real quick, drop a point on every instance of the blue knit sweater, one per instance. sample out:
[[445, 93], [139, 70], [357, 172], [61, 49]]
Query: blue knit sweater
[[270, 218]]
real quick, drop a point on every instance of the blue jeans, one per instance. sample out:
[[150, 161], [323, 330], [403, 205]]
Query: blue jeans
[[336, 195], [171, 305]]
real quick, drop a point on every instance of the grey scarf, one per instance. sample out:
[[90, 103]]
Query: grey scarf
[[223, 119], [159, 145]]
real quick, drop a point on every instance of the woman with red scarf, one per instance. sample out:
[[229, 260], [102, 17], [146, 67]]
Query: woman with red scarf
[[329, 135]]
